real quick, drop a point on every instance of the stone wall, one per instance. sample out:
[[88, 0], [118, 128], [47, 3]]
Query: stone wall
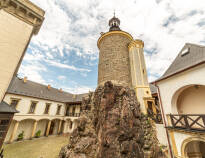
[[114, 60]]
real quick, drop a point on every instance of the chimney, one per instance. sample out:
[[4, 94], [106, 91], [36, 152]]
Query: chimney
[[25, 79], [60, 90], [49, 86]]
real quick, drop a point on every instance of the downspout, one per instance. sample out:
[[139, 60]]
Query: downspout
[[163, 116]]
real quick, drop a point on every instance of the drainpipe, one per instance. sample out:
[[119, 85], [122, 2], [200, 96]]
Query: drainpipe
[[163, 116]]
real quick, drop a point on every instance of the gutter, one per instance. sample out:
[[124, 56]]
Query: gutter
[[163, 116]]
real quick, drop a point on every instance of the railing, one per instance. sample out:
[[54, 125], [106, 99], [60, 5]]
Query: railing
[[156, 117], [73, 114], [188, 121]]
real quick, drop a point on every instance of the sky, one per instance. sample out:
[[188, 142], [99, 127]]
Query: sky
[[64, 54]]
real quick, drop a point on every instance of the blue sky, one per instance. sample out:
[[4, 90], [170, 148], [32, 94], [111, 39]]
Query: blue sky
[[65, 54]]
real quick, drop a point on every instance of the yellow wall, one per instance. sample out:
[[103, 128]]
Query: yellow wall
[[15, 35]]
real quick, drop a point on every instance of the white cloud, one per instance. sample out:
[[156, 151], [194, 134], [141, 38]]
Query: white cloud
[[71, 67], [61, 77], [163, 25], [79, 89], [33, 72]]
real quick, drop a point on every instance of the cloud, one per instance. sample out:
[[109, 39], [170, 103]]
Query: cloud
[[79, 89], [60, 65], [33, 72], [61, 77], [70, 31]]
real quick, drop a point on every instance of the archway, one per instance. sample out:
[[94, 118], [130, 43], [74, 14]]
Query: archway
[[26, 127], [42, 126], [189, 100], [195, 149]]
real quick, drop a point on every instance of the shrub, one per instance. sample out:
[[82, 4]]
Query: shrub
[[38, 134], [20, 136]]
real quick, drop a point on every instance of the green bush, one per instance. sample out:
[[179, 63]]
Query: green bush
[[38, 134], [20, 136]]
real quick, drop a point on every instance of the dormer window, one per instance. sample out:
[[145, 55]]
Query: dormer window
[[185, 51]]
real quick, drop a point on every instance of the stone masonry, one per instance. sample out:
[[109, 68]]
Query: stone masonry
[[114, 60]]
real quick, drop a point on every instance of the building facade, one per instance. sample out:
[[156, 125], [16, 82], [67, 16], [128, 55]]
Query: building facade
[[41, 108], [19, 21], [181, 94]]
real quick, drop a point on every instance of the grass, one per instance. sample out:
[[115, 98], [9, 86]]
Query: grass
[[46, 147]]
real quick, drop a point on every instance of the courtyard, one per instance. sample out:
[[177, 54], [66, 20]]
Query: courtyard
[[45, 147]]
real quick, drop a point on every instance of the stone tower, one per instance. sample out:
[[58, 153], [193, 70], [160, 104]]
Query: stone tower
[[19, 21], [121, 60]]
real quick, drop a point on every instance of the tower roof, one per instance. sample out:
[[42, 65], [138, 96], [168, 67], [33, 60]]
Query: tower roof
[[114, 24]]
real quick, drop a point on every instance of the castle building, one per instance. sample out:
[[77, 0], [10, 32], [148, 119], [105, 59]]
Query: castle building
[[19, 21], [41, 108], [49, 111], [181, 91], [121, 60]]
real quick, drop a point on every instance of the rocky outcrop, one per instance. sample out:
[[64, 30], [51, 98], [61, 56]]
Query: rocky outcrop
[[112, 126]]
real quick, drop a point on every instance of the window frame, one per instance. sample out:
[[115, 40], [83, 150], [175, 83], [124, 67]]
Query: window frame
[[17, 99], [48, 109], [58, 110], [32, 101]]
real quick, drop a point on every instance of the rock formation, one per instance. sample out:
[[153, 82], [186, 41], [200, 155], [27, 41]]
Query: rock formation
[[112, 126]]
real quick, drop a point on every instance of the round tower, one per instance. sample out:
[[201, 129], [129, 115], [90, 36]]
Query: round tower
[[114, 56], [121, 60]]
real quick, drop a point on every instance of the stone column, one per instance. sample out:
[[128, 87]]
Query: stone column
[[48, 128], [65, 127], [34, 129], [14, 132], [59, 126]]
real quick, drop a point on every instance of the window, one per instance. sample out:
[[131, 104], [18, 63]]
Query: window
[[150, 109], [185, 51], [47, 108], [73, 112], [58, 110], [14, 103], [32, 107]]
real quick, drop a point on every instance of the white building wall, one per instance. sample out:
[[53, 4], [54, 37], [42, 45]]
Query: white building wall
[[161, 134], [170, 89], [15, 35], [25, 103]]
